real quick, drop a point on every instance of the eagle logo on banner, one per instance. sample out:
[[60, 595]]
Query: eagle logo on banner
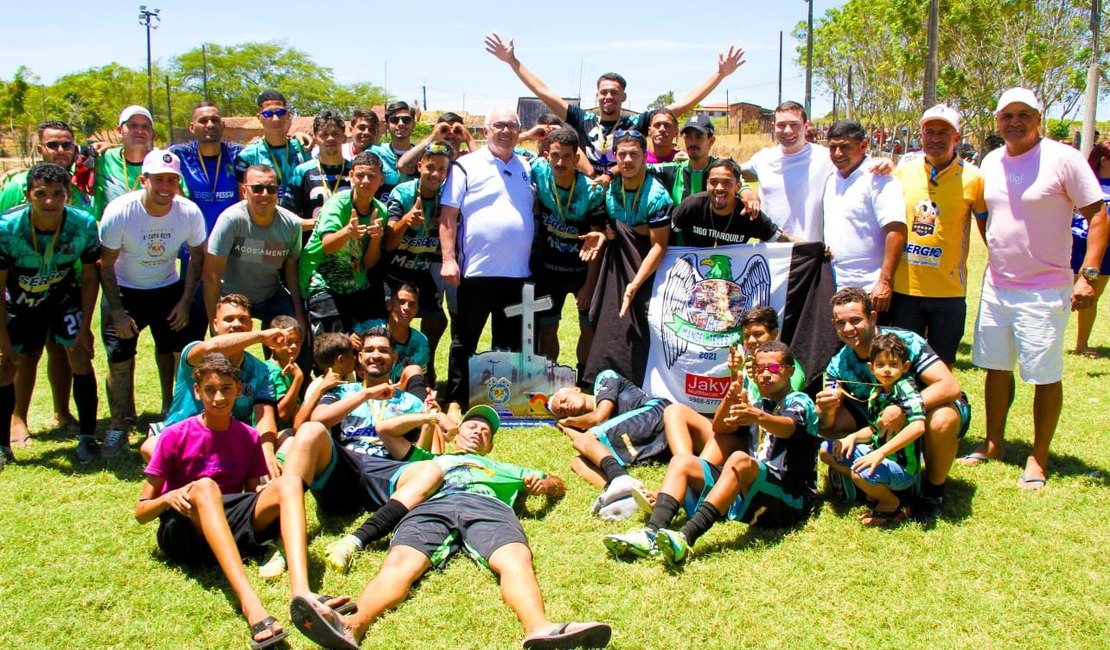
[[706, 310]]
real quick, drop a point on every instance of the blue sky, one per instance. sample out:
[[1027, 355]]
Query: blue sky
[[654, 46]]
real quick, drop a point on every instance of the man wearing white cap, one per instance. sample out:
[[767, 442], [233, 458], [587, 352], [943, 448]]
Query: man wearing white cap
[[1031, 187], [942, 195], [140, 235], [118, 169]]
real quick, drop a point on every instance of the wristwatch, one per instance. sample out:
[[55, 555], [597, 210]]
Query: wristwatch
[[1089, 273]]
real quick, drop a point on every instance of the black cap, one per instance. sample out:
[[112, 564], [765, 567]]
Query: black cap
[[699, 122]]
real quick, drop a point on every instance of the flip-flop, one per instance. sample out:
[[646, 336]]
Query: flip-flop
[[22, 443], [1030, 484], [267, 623], [572, 635], [345, 608], [881, 518], [320, 624], [975, 459]]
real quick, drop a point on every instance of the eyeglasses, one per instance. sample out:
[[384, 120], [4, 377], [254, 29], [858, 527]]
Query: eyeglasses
[[504, 126], [54, 146], [401, 119], [259, 188], [621, 133], [269, 114], [438, 149], [773, 368]]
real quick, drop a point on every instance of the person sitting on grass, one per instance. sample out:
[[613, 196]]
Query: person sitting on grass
[[619, 425], [883, 466], [772, 487], [286, 376], [255, 403], [409, 343], [473, 512], [201, 486]]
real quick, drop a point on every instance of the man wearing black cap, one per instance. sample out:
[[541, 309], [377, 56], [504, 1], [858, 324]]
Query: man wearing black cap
[[687, 177]]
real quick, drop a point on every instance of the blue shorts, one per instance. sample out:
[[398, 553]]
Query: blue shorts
[[889, 473]]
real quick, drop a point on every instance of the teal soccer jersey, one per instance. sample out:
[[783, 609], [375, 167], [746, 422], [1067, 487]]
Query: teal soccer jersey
[[38, 262], [851, 373], [904, 395], [256, 389], [356, 430], [794, 458]]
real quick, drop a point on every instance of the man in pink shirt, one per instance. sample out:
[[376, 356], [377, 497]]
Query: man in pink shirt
[[1031, 186]]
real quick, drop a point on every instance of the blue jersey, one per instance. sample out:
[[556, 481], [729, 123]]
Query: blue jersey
[[253, 375], [211, 180], [356, 431], [648, 204]]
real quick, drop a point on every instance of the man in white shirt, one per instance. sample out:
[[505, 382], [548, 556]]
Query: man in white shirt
[[140, 235], [864, 215], [485, 232]]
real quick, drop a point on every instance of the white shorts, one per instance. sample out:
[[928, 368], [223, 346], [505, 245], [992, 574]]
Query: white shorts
[[1022, 325]]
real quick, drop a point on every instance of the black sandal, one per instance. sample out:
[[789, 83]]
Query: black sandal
[[274, 638]]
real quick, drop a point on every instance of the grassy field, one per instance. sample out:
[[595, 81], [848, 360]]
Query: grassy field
[[1001, 568]]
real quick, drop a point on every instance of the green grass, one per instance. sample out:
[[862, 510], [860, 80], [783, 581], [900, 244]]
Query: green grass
[[1001, 569]]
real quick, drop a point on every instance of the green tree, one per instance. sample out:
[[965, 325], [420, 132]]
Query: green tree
[[13, 104], [662, 101]]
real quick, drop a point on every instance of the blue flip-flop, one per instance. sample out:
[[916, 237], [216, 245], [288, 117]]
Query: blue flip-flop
[[975, 459], [1030, 484]]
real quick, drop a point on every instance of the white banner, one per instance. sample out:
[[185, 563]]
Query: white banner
[[696, 304]]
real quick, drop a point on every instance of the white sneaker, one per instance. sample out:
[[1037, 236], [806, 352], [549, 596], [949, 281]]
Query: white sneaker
[[619, 488]]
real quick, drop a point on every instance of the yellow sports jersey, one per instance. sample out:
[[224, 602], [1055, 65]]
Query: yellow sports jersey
[[940, 206]]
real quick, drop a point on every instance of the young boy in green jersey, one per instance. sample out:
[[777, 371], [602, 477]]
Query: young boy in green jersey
[[285, 375], [880, 467]]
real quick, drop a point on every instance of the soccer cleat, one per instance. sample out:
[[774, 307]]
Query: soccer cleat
[[88, 449], [274, 567], [631, 545], [115, 442], [672, 546], [340, 553]]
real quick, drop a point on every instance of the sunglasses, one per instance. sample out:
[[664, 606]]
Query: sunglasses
[[54, 146], [438, 149], [620, 133], [401, 119], [504, 126], [773, 368], [269, 114], [259, 188]]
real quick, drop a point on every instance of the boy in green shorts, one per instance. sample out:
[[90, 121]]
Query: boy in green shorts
[[882, 466]]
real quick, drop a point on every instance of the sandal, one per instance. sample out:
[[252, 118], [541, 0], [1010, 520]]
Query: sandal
[[875, 517], [265, 624], [320, 623]]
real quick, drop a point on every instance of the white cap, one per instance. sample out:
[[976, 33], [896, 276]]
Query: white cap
[[161, 161], [131, 111], [1018, 96], [943, 113]]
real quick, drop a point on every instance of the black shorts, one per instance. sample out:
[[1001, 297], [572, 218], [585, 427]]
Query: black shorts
[[354, 482], [338, 313], [59, 316], [148, 308], [636, 436], [474, 523], [558, 286], [771, 502], [183, 543]]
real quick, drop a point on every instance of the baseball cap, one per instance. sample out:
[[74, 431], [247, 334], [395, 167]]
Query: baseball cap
[[131, 111], [699, 122], [161, 161], [1018, 96], [486, 413], [944, 114]]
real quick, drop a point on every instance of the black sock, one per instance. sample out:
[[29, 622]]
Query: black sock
[[418, 386], [932, 491], [382, 523], [666, 507], [611, 468], [85, 397], [703, 520], [7, 408]]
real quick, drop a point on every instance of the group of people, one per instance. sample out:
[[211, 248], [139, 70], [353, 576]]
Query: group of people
[[338, 244]]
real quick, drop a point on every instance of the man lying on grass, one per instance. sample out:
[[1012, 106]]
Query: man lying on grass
[[201, 485], [773, 487], [473, 512]]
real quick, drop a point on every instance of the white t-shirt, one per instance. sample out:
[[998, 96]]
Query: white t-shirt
[[791, 186], [856, 209], [495, 200], [1029, 239], [148, 245]]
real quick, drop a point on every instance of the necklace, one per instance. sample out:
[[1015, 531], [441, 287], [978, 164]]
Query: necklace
[[716, 232], [560, 211], [131, 186], [48, 257], [329, 191], [204, 170]]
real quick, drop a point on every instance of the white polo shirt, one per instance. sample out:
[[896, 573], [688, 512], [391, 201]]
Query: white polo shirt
[[791, 186], [495, 200], [855, 210], [148, 245]]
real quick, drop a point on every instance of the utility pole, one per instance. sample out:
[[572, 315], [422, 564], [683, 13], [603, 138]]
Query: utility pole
[[204, 67], [809, 60], [848, 104], [1088, 139], [929, 92], [780, 69], [145, 18], [169, 109], [424, 93]]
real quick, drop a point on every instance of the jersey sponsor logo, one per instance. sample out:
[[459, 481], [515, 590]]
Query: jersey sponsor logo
[[706, 386], [41, 282], [925, 215], [260, 251], [923, 255]]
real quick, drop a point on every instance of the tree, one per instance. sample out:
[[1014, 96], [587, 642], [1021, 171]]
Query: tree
[[13, 101], [662, 101]]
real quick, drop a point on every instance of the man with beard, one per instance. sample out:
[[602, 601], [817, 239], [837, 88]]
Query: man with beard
[[717, 217], [687, 176], [208, 164]]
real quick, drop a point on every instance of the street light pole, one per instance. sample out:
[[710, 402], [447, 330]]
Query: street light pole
[[146, 16], [809, 59]]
